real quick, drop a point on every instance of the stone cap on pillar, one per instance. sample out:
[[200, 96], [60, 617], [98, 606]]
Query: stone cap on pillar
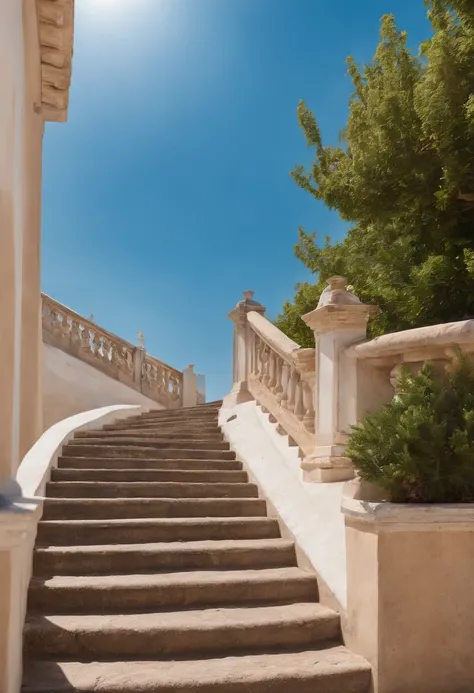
[[245, 306], [339, 309]]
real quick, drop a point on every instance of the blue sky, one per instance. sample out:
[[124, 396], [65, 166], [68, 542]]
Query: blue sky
[[167, 193]]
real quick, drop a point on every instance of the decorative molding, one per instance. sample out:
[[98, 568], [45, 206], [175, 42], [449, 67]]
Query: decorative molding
[[402, 517], [56, 37]]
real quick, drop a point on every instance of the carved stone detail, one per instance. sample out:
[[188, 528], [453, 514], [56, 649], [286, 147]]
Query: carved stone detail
[[56, 34], [117, 358]]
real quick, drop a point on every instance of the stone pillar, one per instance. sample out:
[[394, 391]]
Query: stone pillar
[[339, 320], [190, 387], [21, 128], [410, 605], [17, 537], [241, 364]]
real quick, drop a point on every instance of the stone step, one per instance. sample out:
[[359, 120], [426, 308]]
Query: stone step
[[92, 532], [158, 434], [176, 556], [148, 489], [131, 463], [207, 428], [173, 417], [165, 475], [76, 449], [332, 670], [121, 508], [209, 632], [145, 441], [109, 594]]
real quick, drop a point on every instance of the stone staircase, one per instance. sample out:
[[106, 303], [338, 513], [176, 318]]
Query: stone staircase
[[157, 569]]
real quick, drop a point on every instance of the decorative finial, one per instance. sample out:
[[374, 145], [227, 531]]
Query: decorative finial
[[141, 340], [248, 295], [337, 283], [91, 317], [338, 292]]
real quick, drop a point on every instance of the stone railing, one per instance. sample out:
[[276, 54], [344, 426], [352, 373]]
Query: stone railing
[[303, 389], [281, 377], [316, 395], [380, 360], [117, 358]]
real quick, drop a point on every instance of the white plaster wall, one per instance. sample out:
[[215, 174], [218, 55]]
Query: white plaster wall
[[71, 386], [311, 512]]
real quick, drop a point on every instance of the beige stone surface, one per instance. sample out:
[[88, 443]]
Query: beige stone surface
[[410, 605], [334, 670], [71, 386]]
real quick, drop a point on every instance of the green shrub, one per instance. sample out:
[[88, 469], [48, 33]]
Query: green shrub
[[420, 447]]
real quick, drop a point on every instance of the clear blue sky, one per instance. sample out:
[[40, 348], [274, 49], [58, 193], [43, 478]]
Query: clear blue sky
[[167, 192]]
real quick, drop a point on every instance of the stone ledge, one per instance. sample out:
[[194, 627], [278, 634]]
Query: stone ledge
[[56, 34], [402, 517]]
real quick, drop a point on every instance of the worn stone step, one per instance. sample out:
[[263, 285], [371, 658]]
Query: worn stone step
[[176, 417], [331, 670], [158, 434], [208, 632], [78, 462], [165, 475], [136, 531], [148, 489], [210, 428], [108, 508], [177, 556], [145, 441], [76, 449], [92, 594]]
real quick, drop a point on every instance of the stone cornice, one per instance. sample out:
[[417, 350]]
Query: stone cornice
[[56, 34]]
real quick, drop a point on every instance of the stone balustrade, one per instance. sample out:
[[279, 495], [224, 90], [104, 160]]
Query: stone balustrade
[[316, 395], [380, 360], [281, 377], [117, 358]]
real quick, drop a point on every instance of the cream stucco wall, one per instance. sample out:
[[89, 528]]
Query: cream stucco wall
[[71, 386]]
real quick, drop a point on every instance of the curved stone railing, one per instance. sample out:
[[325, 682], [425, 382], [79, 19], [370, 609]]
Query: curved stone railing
[[117, 358]]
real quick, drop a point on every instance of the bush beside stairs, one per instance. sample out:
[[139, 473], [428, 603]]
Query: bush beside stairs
[[156, 568]]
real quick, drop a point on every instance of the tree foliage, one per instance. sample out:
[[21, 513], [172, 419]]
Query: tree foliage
[[404, 175], [420, 447]]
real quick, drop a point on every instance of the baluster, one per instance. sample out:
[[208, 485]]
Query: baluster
[[272, 381], [292, 389], [64, 325], [285, 380], [299, 405], [96, 344], [75, 332], [308, 419], [175, 392], [86, 339], [254, 350], [278, 389], [266, 365], [47, 317], [106, 346]]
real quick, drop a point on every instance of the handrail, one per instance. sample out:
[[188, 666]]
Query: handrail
[[430, 337], [119, 359]]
